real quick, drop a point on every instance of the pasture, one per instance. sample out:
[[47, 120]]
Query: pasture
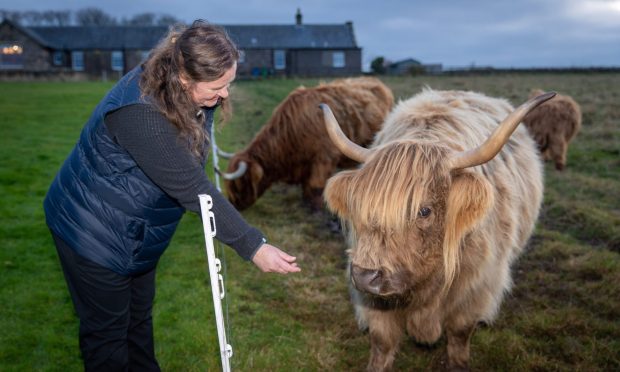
[[563, 313]]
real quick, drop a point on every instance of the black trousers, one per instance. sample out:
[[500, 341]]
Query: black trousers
[[115, 312]]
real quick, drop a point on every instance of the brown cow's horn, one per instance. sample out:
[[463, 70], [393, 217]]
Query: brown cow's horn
[[349, 148], [499, 137], [243, 167]]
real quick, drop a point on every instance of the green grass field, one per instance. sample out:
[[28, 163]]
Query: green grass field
[[562, 315]]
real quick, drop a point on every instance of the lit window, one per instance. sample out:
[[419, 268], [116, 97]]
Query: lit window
[[11, 55], [241, 56], [117, 61], [77, 60], [279, 60], [338, 59]]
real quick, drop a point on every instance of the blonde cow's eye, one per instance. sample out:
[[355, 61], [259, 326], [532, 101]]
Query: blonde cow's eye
[[424, 212]]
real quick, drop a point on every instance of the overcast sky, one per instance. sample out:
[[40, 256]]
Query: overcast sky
[[455, 33]]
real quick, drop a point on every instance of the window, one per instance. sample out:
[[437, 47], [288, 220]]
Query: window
[[11, 55], [241, 56], [279, 59], [117, 61], [57, 58], [77, 60], [338, 60]]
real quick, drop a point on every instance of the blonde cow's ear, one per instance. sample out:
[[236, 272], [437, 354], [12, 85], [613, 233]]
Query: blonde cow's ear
[[336, 193], [470, 199]]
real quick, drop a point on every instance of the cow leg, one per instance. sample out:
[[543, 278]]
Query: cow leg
[[424, 324], [458, 346], [314, 198], [385, 336], [558, 152], [313, 195], [313, 187]]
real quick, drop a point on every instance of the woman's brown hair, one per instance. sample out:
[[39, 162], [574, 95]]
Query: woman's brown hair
[[198, 53]]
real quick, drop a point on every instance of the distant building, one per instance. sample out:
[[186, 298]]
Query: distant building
[[411, 66], [111, 51]]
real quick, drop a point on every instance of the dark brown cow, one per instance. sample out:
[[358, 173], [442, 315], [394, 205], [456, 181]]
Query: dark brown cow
[[435, 218], [553, 125], [293, 146]]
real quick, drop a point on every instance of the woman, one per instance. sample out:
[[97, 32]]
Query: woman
[[138, 165]]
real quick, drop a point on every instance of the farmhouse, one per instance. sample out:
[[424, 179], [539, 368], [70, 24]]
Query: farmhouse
[[411, 66], [110, 51]]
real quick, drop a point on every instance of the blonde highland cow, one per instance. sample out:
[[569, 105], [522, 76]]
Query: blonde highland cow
[[443, 203]]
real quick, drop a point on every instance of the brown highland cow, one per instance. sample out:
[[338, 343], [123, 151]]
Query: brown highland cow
[[293, 146], [553, 125], [435, 219]]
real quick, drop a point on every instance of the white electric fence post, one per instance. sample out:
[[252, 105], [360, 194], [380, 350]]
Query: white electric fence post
[[217, 280]]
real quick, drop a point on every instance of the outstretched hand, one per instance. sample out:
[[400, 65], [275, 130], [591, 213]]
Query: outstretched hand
[[272, 260]]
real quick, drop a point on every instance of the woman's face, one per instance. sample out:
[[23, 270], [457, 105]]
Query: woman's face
[[208, 93]]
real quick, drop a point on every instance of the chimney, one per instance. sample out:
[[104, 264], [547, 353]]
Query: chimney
[[349, 25], [298, 17]]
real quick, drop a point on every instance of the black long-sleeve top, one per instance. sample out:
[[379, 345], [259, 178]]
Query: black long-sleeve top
[[156, 147]]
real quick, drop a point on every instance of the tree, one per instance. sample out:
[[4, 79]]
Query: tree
[[32, 18], [378, 66], [142, 19], [11, 16], [94, 17], [150, 19], [57, 17], [167, 20], [38, 18]]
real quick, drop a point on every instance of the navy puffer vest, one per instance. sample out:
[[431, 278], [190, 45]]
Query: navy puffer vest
[[102, 204]]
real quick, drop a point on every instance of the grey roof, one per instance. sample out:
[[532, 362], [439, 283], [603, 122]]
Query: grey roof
[[246, 36], [100, 37], [293, 36]]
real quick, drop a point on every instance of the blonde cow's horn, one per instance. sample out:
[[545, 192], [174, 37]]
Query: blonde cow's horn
[[344, 144], [499, 137]]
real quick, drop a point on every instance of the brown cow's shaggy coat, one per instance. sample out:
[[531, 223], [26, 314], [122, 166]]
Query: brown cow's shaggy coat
[[293, 146], [553, 125], [430, 247]]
